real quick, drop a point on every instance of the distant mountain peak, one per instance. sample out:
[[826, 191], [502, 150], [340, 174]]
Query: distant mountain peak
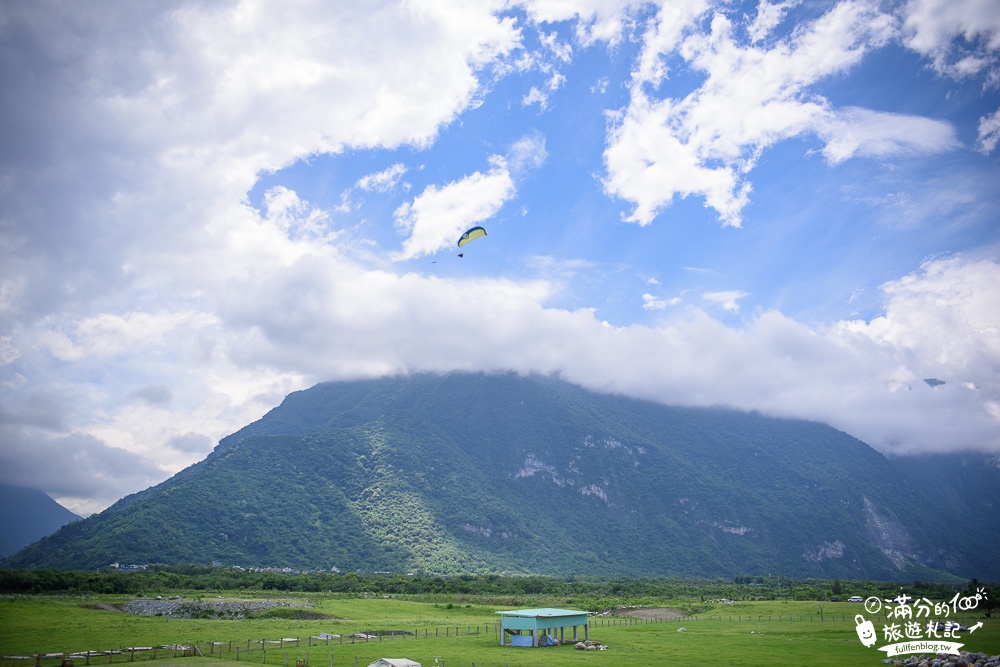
[[27, 515], [476, 473]]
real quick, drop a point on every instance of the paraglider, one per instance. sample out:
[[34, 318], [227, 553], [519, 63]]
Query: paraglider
[[473, 233]]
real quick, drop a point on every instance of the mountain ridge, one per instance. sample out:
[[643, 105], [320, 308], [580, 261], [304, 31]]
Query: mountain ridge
[[471, 473], [27, 514]]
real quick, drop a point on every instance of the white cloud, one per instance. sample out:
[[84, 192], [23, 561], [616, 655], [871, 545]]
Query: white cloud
[[437, 216], [293, 217], [664, 35], [595, 20], [382, 181], [526, 154], [854, 132], [726, 300], [650, 302], [941, 322], [535, 96], [769, 16], [961, 37], [753, 97], [148, 309], [130, 334], [989, 133], [649, 164]]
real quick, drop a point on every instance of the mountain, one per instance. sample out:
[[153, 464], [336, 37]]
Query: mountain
[[470, 472], [961, 484], [27, 515]]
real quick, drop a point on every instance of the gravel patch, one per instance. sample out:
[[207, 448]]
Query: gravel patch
[[216, 609], [652, 613]]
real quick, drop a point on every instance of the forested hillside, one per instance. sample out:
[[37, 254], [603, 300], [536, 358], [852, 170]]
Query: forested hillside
[[473, 473]]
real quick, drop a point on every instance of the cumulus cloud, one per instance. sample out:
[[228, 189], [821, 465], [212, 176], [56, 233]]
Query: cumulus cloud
[[594, 20], [961, 37], [769, 16], [148, 309], [437, 216], [940, 322], [753, 96], [865, 377]]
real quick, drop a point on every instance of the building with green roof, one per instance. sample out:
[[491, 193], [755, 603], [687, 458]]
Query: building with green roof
[[540, 623]]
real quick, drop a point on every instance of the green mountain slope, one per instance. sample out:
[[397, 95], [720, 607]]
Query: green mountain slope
[[501, 473]]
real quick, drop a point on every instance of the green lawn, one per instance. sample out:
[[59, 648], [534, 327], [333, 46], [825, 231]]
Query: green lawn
[[738, 634]]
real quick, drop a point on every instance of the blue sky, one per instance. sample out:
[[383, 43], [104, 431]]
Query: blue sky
[[789, 207]]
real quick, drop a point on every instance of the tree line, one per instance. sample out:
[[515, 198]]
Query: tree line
[[591, 593]]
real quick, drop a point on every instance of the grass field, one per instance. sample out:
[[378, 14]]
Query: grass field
[[746, 634]]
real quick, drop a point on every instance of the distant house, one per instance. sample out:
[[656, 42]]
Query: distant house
[[542, 625], [394, 662]]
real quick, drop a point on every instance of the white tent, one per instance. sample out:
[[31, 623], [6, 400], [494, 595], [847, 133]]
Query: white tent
[[394, 662]]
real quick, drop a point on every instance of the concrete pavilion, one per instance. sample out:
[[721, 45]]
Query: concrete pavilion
[[540, 623]]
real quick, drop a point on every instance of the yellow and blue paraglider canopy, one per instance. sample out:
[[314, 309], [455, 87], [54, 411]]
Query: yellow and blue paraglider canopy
[[473, 233]]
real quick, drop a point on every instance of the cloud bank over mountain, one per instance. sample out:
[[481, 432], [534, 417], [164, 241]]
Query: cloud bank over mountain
[[205, 207]]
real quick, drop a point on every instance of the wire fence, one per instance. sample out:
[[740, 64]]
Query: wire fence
[[279, 651]]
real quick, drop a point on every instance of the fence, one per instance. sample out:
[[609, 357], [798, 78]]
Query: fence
[[126, 654], [263, 651]]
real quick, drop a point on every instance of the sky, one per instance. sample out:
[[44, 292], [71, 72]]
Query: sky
[[791, 207]]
